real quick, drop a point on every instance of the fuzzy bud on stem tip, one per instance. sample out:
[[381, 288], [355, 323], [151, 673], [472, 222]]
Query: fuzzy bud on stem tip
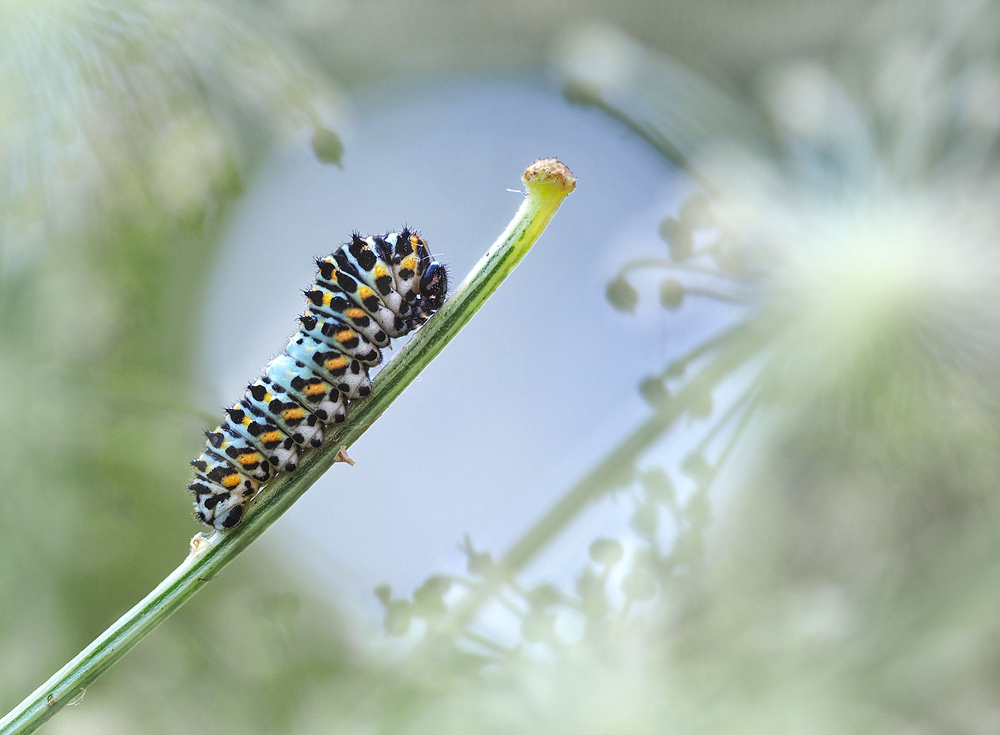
[[549, 173]]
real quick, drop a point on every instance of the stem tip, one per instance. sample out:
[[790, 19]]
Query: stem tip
[[549, 173]]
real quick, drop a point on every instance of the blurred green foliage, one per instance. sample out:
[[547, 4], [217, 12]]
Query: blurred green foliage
[[127, 130], [821, 561]]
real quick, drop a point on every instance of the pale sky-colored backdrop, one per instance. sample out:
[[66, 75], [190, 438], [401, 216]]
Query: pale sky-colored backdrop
[[532, 393]]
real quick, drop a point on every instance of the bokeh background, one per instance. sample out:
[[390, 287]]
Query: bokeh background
[[720, 456]]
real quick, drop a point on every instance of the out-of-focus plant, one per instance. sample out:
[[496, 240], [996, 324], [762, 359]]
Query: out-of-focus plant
[[848, 431], [110, 106]]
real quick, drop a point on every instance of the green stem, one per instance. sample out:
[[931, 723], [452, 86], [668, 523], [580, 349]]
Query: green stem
[[547, 183]]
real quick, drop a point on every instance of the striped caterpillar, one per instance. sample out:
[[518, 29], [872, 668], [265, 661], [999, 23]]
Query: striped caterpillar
[[368, 291]]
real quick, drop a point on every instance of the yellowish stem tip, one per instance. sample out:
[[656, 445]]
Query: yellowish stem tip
[[549, 173]]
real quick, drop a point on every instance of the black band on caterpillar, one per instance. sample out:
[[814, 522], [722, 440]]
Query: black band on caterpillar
[[370, 290]]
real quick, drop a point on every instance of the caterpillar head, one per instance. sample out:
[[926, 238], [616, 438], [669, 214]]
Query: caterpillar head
[[433, 286]]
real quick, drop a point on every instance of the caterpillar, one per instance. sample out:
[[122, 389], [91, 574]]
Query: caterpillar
[[368, 291]]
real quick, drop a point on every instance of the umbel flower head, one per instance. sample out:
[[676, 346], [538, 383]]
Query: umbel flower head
[[869, 290]]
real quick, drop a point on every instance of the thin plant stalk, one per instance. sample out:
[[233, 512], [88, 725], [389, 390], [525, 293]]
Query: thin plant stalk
[[547, 183], [615, 471]]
